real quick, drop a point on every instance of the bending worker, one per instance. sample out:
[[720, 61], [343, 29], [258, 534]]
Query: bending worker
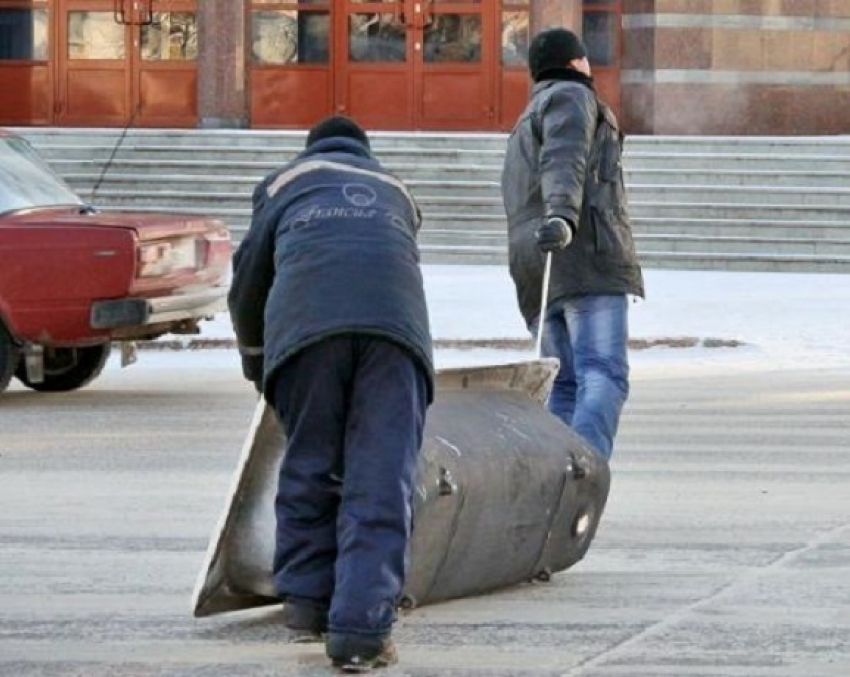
[[329, 310]]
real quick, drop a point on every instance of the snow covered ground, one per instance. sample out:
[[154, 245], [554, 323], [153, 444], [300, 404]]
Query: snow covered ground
[[782, 320]]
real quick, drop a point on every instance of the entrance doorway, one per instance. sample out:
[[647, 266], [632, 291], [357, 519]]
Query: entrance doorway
[[103, 63], [416, 64], [122, 62], [390, 64]]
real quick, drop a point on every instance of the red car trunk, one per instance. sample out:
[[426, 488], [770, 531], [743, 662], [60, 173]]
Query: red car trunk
[[55, 262], [73, 280]]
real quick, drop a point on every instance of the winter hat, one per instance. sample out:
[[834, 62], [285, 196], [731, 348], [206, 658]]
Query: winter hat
[[336, 125], [553, 48]]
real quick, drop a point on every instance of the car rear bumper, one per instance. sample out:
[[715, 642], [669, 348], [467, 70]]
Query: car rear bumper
[[134, 312]]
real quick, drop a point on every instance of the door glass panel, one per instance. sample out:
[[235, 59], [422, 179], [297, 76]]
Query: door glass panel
[[376, 38], [515, 30], [94, 35], [173, 36], [290, 36], [23, 34], [599, 34], [453, 38]]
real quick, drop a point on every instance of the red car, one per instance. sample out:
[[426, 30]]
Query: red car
[[74, 280]]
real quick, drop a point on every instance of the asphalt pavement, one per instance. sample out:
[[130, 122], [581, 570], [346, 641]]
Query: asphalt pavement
[[724, 550]]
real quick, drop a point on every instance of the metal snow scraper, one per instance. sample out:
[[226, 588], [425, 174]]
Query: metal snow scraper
[[505, 493]]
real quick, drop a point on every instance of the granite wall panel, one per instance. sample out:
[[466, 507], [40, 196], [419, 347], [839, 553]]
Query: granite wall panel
[[697, 109], [684, 48], [754, 67]]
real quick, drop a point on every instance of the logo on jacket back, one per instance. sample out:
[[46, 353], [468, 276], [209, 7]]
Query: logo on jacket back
[[359, 194], [359, 203]]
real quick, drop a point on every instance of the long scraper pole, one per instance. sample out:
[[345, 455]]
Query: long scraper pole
[[541, 320]]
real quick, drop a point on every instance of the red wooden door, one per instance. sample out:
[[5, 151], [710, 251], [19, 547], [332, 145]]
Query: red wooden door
[[291, 76], [456, 72], [164, 64], [26, 84], [122, 62], [93, 53], [375, 72]]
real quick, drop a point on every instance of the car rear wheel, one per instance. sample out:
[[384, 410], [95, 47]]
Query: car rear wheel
[[9, 358], [67, 368]]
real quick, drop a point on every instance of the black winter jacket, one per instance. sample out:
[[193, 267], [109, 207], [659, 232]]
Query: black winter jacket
[[331, 250], [564, 158]]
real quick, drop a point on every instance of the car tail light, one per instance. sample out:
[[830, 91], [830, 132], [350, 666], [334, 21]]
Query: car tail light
[[165, 257]]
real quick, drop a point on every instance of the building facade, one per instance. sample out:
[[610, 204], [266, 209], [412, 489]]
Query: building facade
[[667, 66]]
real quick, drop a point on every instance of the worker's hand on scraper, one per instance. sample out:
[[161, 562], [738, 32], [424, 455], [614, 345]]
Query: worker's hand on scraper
[[252, 370], [554, 234]]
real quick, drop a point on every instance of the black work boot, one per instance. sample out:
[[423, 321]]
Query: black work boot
[[305, 622], [360, 653]]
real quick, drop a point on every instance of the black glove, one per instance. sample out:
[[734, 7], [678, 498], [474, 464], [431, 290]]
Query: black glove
[[555, 234], [252, 369]]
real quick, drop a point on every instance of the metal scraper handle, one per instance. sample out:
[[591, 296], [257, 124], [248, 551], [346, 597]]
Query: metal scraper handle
[[541, 319]]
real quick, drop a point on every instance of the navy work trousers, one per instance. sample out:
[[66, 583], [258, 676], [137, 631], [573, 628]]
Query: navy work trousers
[[353, 408]]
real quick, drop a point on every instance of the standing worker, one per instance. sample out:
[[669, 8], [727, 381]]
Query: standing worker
[[563, 191], [329, 310]]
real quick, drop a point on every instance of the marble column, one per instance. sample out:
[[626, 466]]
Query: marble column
[[223, 92]]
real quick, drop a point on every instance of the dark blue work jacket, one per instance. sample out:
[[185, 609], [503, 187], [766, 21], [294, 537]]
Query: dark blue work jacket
[[331, 250]]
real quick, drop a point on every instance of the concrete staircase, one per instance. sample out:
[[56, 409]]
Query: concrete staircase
[[742, 203]]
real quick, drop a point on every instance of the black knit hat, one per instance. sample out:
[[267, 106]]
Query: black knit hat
[[336, 125], [553, 48]]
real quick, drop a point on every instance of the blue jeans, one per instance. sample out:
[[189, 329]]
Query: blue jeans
[[589, 335]]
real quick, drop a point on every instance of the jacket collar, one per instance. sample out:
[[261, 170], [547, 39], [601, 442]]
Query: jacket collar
[[552, 75], [337, 144]]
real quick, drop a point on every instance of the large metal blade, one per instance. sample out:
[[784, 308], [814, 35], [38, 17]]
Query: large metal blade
[[505, 493]]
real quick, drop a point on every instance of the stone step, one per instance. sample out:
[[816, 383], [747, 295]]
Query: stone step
[[659, 244], [764, 262], [193, 138], [231, 137], [751, 179], [730, 210], [799, 162], [764, 228], [673, 183], [742, 195], [193, 166], [646, 244], [773, 145], [264, 159], [758, 228], [176, 190]]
